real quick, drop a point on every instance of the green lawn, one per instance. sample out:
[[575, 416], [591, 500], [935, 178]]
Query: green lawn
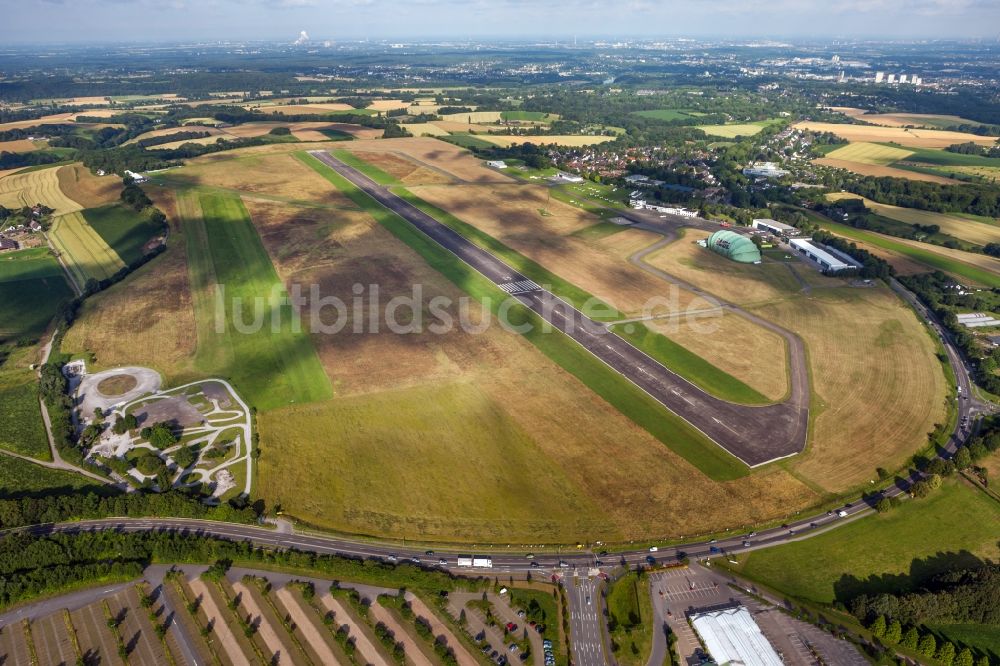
[[929, 257], [466, 141], [626, 397], [535, 116], [21, 428], [20, 477], [272, 365], [32, 287], [689, 365], [977, 636], [891, 552], [125, 230], [631, 618]]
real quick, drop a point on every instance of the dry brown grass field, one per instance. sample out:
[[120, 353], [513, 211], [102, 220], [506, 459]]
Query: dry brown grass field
[[426, 439], [90, 191], [879, 171], [878, 388], [278, 174], [459, 126], [407, 171], [167, 131], [973, 231], [474, 117], [914, 119], [387, 104], [57, 118], [435, 154], [753, 354], [20, 146], [915, 138], [421, 129], [527, 220], [295, 109], [32, 187], [204, 141]]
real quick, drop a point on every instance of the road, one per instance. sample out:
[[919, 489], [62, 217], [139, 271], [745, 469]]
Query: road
[[755, 435], [586, 620]]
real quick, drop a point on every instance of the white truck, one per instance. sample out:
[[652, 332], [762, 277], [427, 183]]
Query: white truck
[[473, 561]]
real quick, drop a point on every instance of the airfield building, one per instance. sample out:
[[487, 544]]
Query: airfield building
[[825, 258], [775, 227], [734, 246]]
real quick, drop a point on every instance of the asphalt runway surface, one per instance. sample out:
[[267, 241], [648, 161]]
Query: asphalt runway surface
[[755, 435]]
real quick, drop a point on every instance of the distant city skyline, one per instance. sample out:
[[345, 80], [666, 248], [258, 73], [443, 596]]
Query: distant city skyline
[[52, 21]]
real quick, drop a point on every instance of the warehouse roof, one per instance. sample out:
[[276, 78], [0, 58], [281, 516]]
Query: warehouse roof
[[732, 637]]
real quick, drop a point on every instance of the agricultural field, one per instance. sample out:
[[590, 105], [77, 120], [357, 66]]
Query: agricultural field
[[424, 129], [474, 117], [972, 231], [879, 171], [435, 155], [83, 251], [32, 287], [32, 187], [910, 138], [21, 146], [572, 140], [123, 229], [20, 478], [887, 552], [852, 336], [733, 130], [930, 121], [90, 191], [529, 116], [870, 153]]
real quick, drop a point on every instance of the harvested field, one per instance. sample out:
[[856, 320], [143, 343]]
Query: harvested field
[[54, 119], [434, 154], [20, 146], [167, 131], [973, 231], [83, 250], [406, 171], [915, 138], [424, 129], [473, 117], [752, 354], [731, 131], [32, 187], [297, 109], [79, 184], [869, 153], [456, 126], [877, 171], [387, 105], [545, 139], [869, 408], [915, 119]]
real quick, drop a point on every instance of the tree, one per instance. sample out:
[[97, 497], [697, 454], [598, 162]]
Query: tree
[[963, 458], [946, 653], [185, 456], [893, 632], [910, 640], [883, 505], [964, 658], [878, 627], [927, 645]]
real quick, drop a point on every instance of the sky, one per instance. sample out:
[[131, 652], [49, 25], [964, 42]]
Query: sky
[[54, 21]]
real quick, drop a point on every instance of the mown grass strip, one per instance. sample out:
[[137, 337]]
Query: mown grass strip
[[689, 365], [373, 172], [677, 434]]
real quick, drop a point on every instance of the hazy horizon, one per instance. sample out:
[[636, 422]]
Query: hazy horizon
[[97, 21]]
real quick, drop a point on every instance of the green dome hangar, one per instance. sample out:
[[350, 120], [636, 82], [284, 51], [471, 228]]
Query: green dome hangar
[[733, 246]]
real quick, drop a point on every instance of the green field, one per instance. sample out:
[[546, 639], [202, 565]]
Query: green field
[[870, 153], [977, 636], [534, 116], [20, 478], [32, 288], [628, 399], [631, 619], [274, 365], [21, 428], [891, 552], [934, 260], [82, 249], [467, 141], [733, 130], [690, 366], [125, 230], [946, 158], [668, 114], [336, 135]]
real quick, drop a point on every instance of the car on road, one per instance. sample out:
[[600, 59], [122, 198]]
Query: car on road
[[653, 549], [391, 558], [442, 561], [563, 563], [751, 535], [842, 514], [429, 553], [650, 559], [534, 564], [588, 601], [415, 560], [529, 556], [746, 543], [714, 549]]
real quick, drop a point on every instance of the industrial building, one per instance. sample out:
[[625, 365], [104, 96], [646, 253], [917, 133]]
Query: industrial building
[[732, 637], [733, 246], [977, 320], [827, 260], [775, 227], [764, 170]]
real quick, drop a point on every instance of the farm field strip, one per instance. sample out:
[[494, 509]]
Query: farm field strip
[[910, 138], [38, 186], [870, 153], [86, 254]]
